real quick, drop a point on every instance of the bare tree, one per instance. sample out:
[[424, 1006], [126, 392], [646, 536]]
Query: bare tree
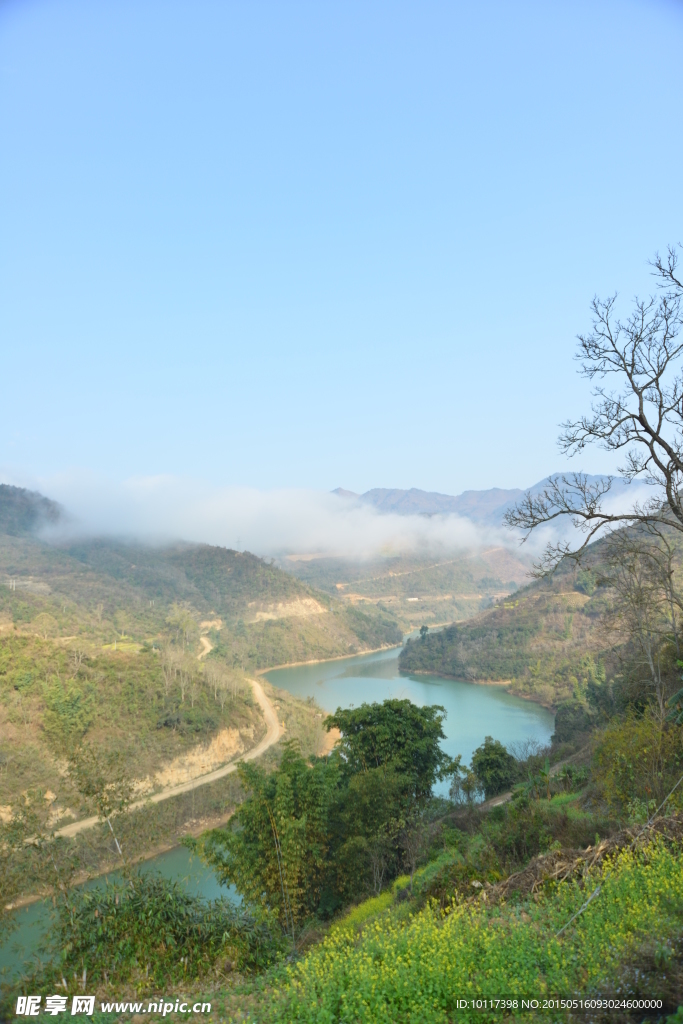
[[214, 678], [77, 656], [637, 411], [223, 689], [169, 667], [184, 681]]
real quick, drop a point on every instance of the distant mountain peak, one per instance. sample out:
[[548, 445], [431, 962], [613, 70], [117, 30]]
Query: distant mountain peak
[[341, 492]]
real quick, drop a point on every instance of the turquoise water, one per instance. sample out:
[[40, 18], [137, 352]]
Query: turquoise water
[[473, 711]]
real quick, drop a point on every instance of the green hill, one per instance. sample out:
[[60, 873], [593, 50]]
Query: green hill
[[26, 512], [144, 650], [544, 641]]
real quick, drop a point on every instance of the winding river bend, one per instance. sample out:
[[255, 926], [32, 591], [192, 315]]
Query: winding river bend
[[472, 712]]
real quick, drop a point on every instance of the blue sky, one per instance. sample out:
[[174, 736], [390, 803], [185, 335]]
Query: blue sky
[[306, 245]]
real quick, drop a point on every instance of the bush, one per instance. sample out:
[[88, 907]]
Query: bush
[[150, 928], [495, 768], [573, 719], [638, 758]]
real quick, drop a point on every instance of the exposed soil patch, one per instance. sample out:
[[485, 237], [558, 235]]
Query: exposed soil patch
[[300, 608]]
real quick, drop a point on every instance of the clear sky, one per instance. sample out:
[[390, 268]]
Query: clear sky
[[319, 244]]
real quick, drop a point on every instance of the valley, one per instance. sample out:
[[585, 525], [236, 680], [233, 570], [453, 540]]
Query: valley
[[417, 590], [145, 652]]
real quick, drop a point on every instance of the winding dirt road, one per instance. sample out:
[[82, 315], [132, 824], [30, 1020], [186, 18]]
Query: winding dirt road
[[273, 733]]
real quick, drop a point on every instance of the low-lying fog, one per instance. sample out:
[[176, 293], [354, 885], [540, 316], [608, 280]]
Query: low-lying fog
[[279, 522]]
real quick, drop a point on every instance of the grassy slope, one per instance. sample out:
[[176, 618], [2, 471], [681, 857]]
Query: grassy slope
[[60, 676], [386, 964]]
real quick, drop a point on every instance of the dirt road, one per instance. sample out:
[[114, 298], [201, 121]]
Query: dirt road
[[273, 733]]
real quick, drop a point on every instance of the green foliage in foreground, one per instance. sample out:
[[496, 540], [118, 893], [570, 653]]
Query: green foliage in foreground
[[149, 931], [396, 734], [400, 968], [276, 848], [315, 835], [638, 759]]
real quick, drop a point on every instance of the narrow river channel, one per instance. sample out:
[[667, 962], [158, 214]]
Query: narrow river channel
[[472, 712]]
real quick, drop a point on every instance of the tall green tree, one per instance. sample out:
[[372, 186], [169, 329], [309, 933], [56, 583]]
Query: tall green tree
[[494, 767], [396, 735], [275, 848], [315, 834], [367, 821]]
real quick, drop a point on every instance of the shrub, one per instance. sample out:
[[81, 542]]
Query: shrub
[[150, 927], [573, 719], [638, 757]]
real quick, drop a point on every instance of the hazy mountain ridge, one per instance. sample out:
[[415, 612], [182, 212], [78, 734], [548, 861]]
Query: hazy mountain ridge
[[91, 588], [83, 627], [487, 507], [418, 589]]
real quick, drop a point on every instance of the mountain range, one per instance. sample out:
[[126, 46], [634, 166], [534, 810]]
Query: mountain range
[[486, 507]]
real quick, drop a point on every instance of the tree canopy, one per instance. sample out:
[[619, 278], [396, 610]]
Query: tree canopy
[[315, 834], [494, 767], [396, 734]]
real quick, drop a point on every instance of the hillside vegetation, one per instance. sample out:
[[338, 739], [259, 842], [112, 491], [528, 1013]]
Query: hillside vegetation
[[144, 651], [384, 964], [416, 589], [547, 641]]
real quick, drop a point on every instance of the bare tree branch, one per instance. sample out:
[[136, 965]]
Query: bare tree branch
[[637, 410]]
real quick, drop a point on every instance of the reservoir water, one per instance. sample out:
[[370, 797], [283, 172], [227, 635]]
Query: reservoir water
[[472, 712]]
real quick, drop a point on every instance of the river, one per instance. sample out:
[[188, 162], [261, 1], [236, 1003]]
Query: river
[[472, 712]]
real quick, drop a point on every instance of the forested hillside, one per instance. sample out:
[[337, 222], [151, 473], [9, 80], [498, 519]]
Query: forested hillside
[[546, 641], [24, 512]]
